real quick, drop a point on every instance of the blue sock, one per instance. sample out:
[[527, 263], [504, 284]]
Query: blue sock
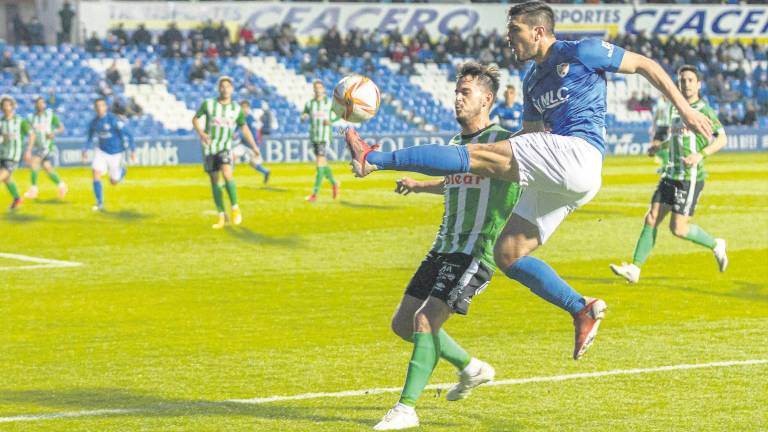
[[123, 172], [260, 168], [433, 159], [545, 283], [97, 190]]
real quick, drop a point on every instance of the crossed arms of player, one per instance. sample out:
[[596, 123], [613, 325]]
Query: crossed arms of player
[[633, 63]]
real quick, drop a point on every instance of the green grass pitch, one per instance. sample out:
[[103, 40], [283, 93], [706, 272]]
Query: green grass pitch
[[167, 319]]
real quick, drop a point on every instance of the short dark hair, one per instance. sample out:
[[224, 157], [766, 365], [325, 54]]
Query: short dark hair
[[39, 98], [245, 102], [99, 99], [689, 68], [486, 75], [534, 13]]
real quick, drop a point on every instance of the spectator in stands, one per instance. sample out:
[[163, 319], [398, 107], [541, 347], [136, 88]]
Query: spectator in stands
[[323, 62], [212, 51], [633, 104], [369, 67], [197, 72], [111, 44], [307, 66], [171, 35], [441, 54], [120, 34], [406, 67], [222, 33], [103, 88], [93, 44], [455, 44], [133, 108], [8, 64], [19, 30], [509, 113], [65, 16], [20, 75], [210, 33], [228, 49], [332, 43], [156, 72], [246, 35], [425, 53], [422, 36], [750, 116], [397, 52], [35, 32], [113, 74], [395, 37], [413, 49], [647, 102], [716, 85], [267, 119], [138, 74], [174, 51], [141, 36], [118, 107], [726, 116], [283, 47], [212, 65]]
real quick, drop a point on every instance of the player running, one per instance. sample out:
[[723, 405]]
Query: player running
[[251, 155], [113, 138], [557, 156], [318, 111], [47, 125], [509, 112], [222, 117], [682, 180], [460, 264], [13, 130]]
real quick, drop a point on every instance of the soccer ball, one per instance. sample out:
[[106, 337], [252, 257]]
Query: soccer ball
[[356, 99]]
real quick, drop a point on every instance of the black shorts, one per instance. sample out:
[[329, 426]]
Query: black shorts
[[681, 195], [214, 162], [43, 154], [319, 148], [8, 165], [452, 277]]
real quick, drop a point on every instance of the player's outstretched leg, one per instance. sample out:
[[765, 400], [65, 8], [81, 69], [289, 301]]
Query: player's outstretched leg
[[682, 229], [14, 191], [32, 192], [258, 164], [327, 173], [98, 192]]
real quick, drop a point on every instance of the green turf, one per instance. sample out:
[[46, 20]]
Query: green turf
[[169, 317]]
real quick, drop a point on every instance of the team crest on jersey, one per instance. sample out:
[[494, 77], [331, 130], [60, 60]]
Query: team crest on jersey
[[562, 69]]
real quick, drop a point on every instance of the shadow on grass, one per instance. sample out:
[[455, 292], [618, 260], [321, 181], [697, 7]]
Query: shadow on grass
[[16, 217], [50, 201], [125, 215], [349, 204], [272, 189], [247, 235], [145, 405]]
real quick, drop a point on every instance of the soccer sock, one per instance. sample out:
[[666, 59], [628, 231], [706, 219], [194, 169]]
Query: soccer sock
[[231, 191], [434, 159], [545, 283], [34, 177], [644, 245], [260, 168], [697, 235], [423, 362], [318, 179], [54, 177], [11, 185], [98, 192], [451, 351], [218, 197], [328, 174]]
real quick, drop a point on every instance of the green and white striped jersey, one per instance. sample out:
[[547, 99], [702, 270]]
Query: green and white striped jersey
[[220, 124], [13, 131], [683, 142], [319, 111], [476, 208], [43, 124]]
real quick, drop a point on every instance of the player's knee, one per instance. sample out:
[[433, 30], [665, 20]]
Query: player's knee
[[650, 219], [679, 230], [402, 328], [422, 323], [504, 257]]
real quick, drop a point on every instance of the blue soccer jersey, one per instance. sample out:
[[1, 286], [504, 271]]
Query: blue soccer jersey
[[567, 91], [510, 118], [111, 134]]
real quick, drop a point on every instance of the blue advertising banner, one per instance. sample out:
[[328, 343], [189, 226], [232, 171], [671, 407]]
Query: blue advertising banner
[[165, 151]]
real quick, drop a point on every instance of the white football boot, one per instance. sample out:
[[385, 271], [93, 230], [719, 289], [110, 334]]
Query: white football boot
[[468, 381], [720, 255], [630, 272], [399, 417]]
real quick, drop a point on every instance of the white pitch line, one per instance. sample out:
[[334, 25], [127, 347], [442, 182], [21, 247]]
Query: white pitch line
[[353, 393], [39, 262]]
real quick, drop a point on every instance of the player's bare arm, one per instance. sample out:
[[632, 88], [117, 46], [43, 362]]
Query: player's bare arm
[[407, 185], [200, 132], [717, 144], [245, 131], [31, 143], [635, 63]]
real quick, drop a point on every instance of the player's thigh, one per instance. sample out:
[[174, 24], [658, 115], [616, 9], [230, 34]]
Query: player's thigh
[[493, 160], [678, 224], [47, 165], [432, 315], [226, 171], [460, 278], [402, 319], [35, 162], [519, 238], [656, 213], [99, 163], [115, 167], [4, 174]]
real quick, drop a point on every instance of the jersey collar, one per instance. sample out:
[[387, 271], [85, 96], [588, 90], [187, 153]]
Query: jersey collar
[[472, 135]]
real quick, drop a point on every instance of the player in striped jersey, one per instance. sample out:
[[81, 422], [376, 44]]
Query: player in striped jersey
[[13, 130], [682, 180], [318, 111], [47, 125], [222, 117], [460, 264]]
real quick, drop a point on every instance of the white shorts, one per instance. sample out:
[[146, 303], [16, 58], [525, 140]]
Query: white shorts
[[108, 163], [558, 174], [245, 153]]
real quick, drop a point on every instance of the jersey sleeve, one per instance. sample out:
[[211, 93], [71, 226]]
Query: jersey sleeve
[[203, 110], [599, 55], [712, 116], [306, 109], [240, 120], [55, 122], [25, 127]]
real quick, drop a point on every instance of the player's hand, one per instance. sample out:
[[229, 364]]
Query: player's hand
[[49, 135], [697, 121], [406, 185], [653, 149], [692, 159], [326, 122], [205, 139], [28, 157], [133, 157]]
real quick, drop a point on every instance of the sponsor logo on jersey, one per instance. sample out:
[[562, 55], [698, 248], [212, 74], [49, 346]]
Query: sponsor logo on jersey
[[562, 69], [609, 47], [551, 99], [463, 179], [224, 122]]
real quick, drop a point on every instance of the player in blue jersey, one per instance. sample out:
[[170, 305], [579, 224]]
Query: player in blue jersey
[[252, 155], [509, 113], [556, 157], [112, 139]]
